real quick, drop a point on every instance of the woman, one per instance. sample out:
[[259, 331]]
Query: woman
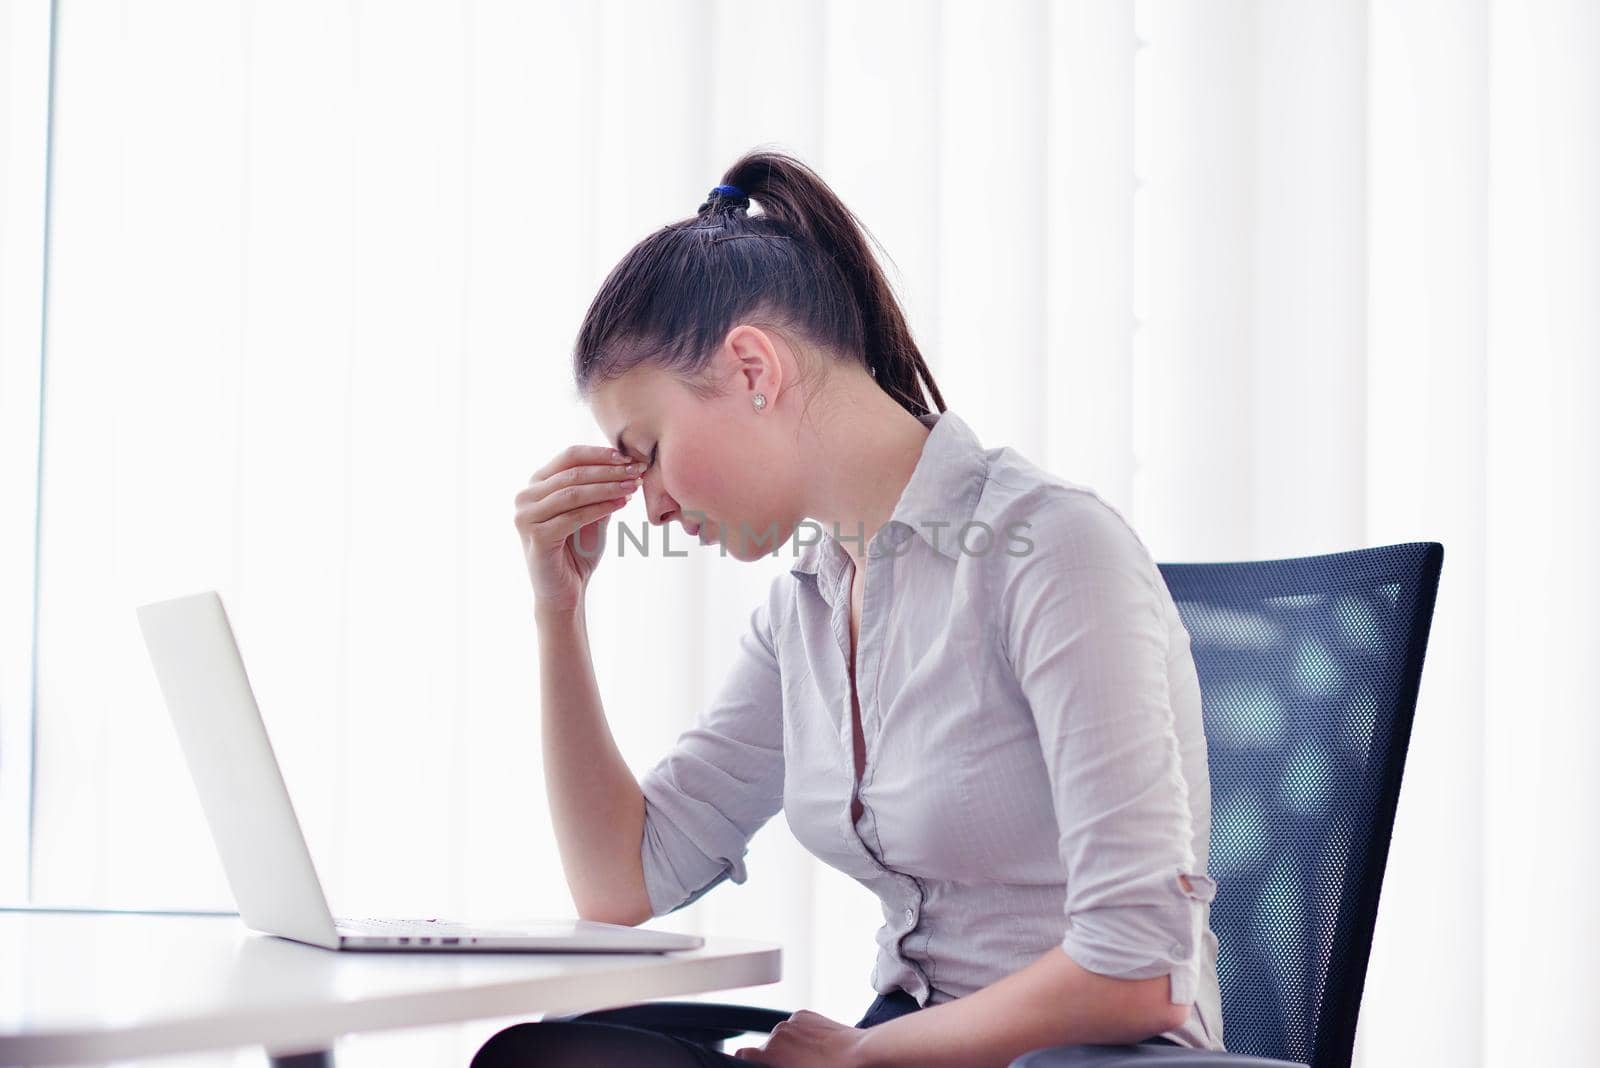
[[972, 692]]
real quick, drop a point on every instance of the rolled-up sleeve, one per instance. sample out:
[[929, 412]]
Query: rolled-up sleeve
[[720, 782], [1086, 635]]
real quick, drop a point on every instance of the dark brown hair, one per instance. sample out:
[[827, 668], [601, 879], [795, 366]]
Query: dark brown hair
[[801, 265]]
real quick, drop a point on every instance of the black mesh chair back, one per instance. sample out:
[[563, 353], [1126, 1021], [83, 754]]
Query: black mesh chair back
[[1309, 671]]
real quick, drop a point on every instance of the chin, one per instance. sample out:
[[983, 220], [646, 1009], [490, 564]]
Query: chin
[[744, 551]]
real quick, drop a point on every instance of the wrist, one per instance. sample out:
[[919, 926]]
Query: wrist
[[550, 615], [865, 1053]]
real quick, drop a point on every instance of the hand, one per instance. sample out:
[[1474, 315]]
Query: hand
[[808, 1040], [566, 505]]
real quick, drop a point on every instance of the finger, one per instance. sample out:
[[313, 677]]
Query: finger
[[559, 529], [527, 518], [577, 476], [579, 454], [565, 500]]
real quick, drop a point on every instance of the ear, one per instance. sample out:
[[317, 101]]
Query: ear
[[756, 366]]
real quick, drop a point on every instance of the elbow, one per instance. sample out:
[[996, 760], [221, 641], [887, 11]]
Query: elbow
[[1159, 1012], [1152, 1011], [623, 916], [1129, 1010], [628, 911], [1168, 1016], [621, 897]]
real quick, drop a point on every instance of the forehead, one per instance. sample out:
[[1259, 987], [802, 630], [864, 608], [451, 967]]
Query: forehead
[[634, 396]]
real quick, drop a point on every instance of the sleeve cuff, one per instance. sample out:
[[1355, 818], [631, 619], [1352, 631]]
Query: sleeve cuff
[[677, 871], [1143, 941]]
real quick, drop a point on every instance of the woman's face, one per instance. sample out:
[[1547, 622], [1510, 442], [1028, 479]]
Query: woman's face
[[717, 467]]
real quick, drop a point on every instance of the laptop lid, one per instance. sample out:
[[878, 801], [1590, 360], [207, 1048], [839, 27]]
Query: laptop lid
[[241, 787]]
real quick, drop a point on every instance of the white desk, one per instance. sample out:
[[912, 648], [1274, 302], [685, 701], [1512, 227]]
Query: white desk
[[78, 987]]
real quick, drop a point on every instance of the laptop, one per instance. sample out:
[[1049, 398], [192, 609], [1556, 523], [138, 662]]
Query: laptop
[[264, 853]]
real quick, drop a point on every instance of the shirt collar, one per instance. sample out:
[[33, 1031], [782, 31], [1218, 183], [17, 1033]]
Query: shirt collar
[[937, 502]]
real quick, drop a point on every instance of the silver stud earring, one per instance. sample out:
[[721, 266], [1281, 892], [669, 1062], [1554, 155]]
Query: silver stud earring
[[759, 400]]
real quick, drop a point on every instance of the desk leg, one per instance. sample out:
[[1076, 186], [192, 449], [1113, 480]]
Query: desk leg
[[321, 1058]]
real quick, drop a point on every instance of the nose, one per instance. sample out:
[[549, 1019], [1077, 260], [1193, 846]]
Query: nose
[[657, 504]]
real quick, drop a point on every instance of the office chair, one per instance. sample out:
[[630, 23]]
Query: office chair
[[1309, 669]]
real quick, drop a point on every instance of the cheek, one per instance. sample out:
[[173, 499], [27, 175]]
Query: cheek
[[695, 477]]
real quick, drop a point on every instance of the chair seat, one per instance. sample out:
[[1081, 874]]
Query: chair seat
[[1138, 1056]]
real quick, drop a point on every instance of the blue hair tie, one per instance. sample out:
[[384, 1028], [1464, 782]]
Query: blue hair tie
[[730, 196]]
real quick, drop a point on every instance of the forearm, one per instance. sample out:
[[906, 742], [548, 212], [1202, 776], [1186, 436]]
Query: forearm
[[1053, 1001], [595, 802]]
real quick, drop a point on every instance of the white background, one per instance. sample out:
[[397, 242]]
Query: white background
[[1277, 278]]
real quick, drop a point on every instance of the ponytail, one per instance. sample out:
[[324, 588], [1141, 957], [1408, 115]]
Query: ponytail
[[803, 264]]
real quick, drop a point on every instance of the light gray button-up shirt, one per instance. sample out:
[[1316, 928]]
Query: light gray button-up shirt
[[1035, 773]]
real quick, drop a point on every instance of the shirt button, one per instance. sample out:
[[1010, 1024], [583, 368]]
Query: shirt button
[[911, 917], [1177, 949]]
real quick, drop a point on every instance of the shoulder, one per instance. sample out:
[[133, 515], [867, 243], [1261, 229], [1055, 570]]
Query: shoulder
[[1075, 567], [1044, 522]]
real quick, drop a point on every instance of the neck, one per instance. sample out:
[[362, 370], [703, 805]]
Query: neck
[[867, 446]]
